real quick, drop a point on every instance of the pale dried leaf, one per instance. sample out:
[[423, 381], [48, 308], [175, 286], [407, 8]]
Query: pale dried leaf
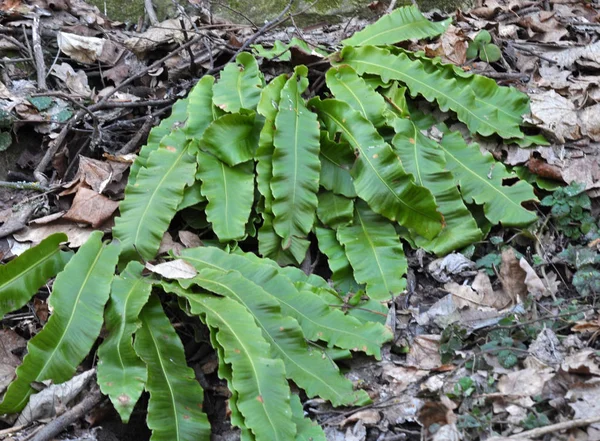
[[174, 269]]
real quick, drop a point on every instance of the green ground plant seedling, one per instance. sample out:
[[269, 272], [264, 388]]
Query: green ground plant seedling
[[482, 47], [570, 211], [256, 165]]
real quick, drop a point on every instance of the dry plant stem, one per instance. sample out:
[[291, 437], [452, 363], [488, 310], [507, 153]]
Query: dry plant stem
[[53, 148], [534, 433], [59, 424], [38, 53], [10, 430], [16, 42], [151, 12], [133, 143], [21, 185]]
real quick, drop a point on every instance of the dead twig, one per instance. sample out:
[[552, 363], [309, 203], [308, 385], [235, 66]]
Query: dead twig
[[38, 53], [129, 104], [534, 433], [21, 185], [151, 12], [133, 143], [57, 425]]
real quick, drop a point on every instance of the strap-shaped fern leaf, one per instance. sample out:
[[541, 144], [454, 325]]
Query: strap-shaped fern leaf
[[151, 203], [481, 180], [307, 367], [166, 126], [121, 373], [335, 210], [449, 93], [233, 138], [270, 244], [426, 161], [379, 178], [317, 319], [201, 111], [296, 164], [308, 430], [230, 194], [403, 24], [375, 253], [240, 85], [336, 162], [508, 103], [175, 405], [22, 277], [263, 395], [342, 275], [78, 297], [267, 107], [347, 86]]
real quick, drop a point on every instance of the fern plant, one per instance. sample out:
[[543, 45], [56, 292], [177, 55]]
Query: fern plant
[[259, 166]]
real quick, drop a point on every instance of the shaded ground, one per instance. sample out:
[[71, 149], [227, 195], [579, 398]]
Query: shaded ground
[[499, 340]]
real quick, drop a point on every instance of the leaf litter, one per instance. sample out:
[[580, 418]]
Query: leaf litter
[[506, 348]]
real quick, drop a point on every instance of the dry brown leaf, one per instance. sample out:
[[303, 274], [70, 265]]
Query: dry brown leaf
[[524, 383], [10, 342], [91, 208], [555, 115], [584, 362], [77, 235], [168, 244], [76, 82], [547, 348], [80, 48], [189, 239], [584, 399], [424, 352], [369, 417], [534, 284], [168, 31], [400, 377], [512, 276]]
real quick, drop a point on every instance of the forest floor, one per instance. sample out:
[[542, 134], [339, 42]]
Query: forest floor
[[498, 340]]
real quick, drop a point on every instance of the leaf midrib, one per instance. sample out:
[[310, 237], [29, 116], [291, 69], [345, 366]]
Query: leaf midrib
[[241, 342], [438, 91], [300, 313]]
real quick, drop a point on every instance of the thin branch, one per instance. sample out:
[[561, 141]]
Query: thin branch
[[22, 185], [133, 143], [59, 424], [534, 433], [129, 104], [151, 12], [38, 53]]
